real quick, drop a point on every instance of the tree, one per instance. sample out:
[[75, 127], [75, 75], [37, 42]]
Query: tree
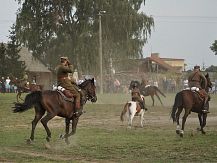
[[51, 28], [15, 67], [214, 47], [211, 69], [3, 65]]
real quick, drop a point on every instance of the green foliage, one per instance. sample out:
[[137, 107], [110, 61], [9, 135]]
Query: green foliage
[[16, 67], [211, 69], [9, 57], [53, 28], [214, 47], [3, 66]]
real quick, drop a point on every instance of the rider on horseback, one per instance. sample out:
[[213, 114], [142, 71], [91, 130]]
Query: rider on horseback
[[137, 97], [24, 81], [198, 80], [64, 80]]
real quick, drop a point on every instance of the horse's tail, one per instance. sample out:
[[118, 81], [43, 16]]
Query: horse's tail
[[30, 100], [177, 103], [157, 89], [127, 105]]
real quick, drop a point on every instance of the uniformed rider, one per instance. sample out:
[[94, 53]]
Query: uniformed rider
[[198, 80], [136, 96], [64, 80]]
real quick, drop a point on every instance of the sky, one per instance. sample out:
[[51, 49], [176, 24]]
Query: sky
[[184, 29]]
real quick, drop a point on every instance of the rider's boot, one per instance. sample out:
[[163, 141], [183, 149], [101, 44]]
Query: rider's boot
[[143, 106], [78, 110], [206, 108]]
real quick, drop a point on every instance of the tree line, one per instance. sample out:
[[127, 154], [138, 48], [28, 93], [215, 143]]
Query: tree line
[[54, 28], [10, 65]]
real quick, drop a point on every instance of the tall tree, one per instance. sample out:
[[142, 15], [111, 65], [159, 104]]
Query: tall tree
[[3, 65], [51, 28], [214, 47], [15, 66]]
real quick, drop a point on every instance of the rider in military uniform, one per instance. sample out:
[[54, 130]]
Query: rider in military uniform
[[64, 80], [24, 81], [137, 97], [197, 79]]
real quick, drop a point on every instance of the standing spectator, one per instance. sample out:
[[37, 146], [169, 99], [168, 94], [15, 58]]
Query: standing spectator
[[173, 85], [156, 83], [7, 85], [3, 85], [215, 91], [117, 85]]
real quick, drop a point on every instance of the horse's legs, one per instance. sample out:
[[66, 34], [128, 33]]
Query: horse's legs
[[187, 111], [158, 98], [44, 121], [74, 126], [67, 122], [142, 118], [39, 114], [152, 97], [177, 120], [202, 120], [130, 120]]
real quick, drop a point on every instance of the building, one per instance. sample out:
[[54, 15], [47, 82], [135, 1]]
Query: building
[[36, 69], [156, 64]]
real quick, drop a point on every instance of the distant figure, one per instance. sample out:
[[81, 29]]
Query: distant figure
[[2, 82], [7, 85], [185, 83], [117, 85], [215, 91], [173, 85]]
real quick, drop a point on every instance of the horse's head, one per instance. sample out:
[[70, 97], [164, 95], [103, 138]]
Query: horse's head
[[134, 84], [209, 83], [88, 86]]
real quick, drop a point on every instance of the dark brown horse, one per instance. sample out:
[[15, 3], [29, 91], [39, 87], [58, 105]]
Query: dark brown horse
[[54, 104], [191, 102], [147, 90]]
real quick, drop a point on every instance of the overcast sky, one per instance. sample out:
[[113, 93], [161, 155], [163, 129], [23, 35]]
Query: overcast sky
[[183, 28]]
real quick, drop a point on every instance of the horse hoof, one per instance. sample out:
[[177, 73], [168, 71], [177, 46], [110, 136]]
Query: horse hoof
[[62, 136], [67, 141], [48, 139], [198, 129], [203, 132], [178, 132], [28, 141]]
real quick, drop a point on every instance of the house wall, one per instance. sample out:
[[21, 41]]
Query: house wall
[[176, 63]]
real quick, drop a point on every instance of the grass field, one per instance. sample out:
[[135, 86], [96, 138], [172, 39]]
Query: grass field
[[101, 137]]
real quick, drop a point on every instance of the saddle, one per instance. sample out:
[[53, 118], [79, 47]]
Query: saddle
[[200, 93], [66, 94]]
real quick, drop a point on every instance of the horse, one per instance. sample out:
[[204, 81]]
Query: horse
[[147, 90], [191, 102], [24, 89], [132, 108], [54, 104]]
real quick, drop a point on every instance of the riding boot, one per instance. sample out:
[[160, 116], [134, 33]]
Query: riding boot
[[143, 106], [78, 110], [206, 108]]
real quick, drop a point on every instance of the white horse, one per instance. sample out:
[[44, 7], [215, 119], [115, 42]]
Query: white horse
[[133, 108]]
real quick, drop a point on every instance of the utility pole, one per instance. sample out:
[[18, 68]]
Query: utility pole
[[100, 51]]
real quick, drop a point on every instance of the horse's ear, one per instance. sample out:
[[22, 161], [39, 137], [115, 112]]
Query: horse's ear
[[207, 75], [92, 80]]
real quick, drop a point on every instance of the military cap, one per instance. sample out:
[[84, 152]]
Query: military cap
[[196, 67]]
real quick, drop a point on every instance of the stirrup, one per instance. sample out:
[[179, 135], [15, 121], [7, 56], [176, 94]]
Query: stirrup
[[205, 111]]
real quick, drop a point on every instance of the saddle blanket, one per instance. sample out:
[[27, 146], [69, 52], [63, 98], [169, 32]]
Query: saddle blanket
[[64, 93], [192, 89]]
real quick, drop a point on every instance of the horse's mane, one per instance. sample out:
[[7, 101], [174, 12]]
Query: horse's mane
[[84, 84]]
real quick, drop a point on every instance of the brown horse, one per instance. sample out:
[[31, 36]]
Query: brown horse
[[191, 102], [55, 105], [147, 90], [24, 89]]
